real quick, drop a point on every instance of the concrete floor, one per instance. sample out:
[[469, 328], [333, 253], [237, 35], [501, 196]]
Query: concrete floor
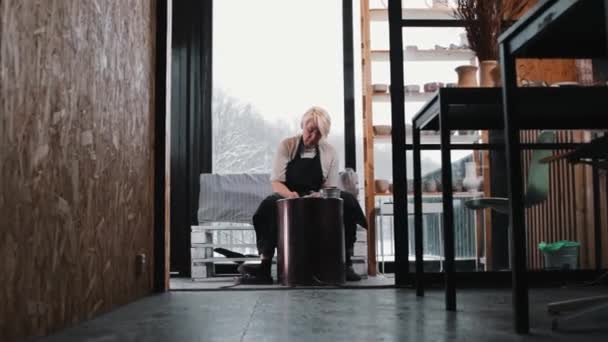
[[332, 315], [225, 283]]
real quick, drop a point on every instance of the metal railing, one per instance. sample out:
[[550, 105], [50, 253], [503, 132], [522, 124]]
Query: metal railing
[[465, 225]]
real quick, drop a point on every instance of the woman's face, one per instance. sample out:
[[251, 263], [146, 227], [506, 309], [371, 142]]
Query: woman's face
[[311, 134]]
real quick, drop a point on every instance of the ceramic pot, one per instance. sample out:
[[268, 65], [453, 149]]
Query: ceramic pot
[[457, 185], [495, 73], [411, 89], [485, 73], [380, 88], [467, 76], [432, 87], [464, 41], [381, 185], [430, 185], [471, 181], [382, 129], [439, 185]]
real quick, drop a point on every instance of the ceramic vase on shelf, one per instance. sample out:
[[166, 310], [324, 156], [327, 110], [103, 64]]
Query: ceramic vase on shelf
[[471, 181], [457, 187], [430, 185], [495, 73], [485, 73], [381, 186], [467, 76]]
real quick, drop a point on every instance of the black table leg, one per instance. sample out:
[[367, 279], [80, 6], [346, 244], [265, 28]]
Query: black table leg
[[517, 221], [418, 213], [597, 219], [448, 209]]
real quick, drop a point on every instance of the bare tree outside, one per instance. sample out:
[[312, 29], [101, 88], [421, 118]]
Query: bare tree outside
[[243, 142]]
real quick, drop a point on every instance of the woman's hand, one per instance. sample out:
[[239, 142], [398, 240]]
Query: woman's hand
[[283, 190], [292, 194]]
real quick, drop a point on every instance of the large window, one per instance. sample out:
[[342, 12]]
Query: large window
[[268, 69]]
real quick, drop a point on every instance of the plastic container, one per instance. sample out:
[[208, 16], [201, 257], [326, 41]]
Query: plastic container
[[560, 255]]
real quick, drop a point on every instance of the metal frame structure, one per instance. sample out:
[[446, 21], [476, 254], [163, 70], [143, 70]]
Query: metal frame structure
[[465, 109], [398, 136], [396, 23], [397, 139], [553, 29], [190, 124], [350, 150]]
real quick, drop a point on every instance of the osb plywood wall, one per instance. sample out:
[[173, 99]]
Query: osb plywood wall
[[76, 159]]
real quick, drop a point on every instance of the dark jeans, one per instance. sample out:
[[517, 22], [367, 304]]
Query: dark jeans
[[266, 228]]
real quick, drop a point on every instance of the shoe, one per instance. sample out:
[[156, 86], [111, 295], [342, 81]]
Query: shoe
[[250, 279], [249, 269], [254, 274], [351, 275]]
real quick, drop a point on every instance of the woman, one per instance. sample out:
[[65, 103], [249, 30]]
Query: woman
[[303, 165]]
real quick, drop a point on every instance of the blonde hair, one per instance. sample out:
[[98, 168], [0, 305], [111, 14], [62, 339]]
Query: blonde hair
[[320, 117]]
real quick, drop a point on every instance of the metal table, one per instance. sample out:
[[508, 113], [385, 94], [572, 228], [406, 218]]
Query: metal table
[[552, 29], [481, 109]]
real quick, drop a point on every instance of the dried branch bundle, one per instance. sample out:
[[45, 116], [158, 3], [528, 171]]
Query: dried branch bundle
[[485, 20]]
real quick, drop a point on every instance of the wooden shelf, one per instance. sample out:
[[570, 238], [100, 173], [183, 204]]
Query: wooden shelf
[[422, 17], [381, 14], [426, 55], [438, 194], [545, 108], [411, 97], [432, 139]]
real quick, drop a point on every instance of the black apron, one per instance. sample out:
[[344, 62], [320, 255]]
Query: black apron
[[304, 175]]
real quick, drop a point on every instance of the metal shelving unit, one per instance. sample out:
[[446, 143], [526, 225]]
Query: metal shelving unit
[[373, 58], [436, 55]]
